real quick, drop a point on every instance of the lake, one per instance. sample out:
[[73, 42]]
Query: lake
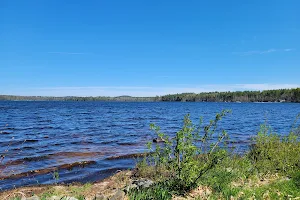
[[36, 137]]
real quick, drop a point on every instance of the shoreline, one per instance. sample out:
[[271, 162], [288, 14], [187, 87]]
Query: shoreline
[[108, 187], [119, 185], [275, 95]]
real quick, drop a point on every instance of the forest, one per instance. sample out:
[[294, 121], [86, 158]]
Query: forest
[[280, 95]]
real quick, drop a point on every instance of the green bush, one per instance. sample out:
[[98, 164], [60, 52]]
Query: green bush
[[273, 153], [183, 159]]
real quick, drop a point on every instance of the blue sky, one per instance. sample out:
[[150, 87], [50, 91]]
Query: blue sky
[[147, 48]]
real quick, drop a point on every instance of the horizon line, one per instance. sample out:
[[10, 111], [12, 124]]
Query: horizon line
[[233, 91]]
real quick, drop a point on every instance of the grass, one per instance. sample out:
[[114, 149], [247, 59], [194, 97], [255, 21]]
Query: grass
[[284, 189], [77, 191], [74, 191], [157, 192]]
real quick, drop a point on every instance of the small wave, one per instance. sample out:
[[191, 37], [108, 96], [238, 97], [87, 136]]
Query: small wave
[[27, 147], [31, 140], [107, 142], [46, 120], [48, 170], [136, 118], [77, 154], [135, 155], [31, 128], [84, 113], [52, 156], [26, 159], [76, 142], [5, 132], [36, 158], [11, 163], [126, 143], [82, 142], [47, 127]]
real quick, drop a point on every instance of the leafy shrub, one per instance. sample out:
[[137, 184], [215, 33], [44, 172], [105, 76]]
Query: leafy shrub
[[273, 153], [183, 159]]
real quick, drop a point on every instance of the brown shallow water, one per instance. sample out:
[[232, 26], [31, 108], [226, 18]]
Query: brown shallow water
[[88, 141]]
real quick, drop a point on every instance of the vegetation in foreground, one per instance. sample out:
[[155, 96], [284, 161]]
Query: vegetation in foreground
[[198, 164]]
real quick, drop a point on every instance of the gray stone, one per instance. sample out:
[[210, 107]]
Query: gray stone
[[158, 140], [54, 198], [100, 197], [143, 183], [120, 195], [69, 198], [33, 198]]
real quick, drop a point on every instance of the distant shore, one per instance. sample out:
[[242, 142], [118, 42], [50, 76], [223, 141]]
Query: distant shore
[[280, 95]]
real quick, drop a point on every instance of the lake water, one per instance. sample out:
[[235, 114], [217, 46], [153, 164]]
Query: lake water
[[36, 137]]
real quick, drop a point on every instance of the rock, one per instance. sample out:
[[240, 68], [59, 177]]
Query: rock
[[120, 195], [158, 140], [4, 132], [33, 198], [69, 198], [54, 198], [143, 183], [100, 197]]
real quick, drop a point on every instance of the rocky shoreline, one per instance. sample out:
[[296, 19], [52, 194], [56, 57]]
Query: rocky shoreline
[[115, 187], [112, 188]]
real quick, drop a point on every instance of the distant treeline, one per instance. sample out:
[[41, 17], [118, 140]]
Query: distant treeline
[[74, 98], [281, 95]]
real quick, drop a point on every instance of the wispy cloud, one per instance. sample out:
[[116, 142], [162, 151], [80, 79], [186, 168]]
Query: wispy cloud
[[143, 90], [67, 53], [268, 51], [247, 53]]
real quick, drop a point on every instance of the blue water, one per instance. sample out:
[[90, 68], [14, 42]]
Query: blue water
[[58, 133]]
